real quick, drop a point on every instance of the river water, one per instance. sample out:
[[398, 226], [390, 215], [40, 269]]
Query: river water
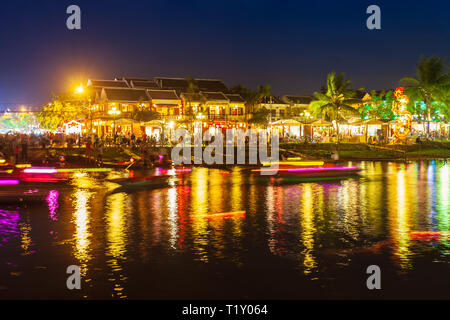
[[296, 239]]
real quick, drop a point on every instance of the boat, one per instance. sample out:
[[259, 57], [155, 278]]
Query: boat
[[296, 169], [319, 172], [139, 183]]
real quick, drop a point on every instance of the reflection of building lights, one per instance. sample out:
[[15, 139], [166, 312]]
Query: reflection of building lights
[[52, 201], [308, 230]]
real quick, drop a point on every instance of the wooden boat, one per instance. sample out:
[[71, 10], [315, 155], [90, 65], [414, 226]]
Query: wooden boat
[[139, 183], [316, 172]]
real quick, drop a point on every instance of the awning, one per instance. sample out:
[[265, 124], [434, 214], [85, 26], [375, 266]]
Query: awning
[[124, 121], [321, 123], [287, 122], [153, 123], [168, 105]]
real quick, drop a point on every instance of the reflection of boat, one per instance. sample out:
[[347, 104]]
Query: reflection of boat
[[13, 191], [316, 172], [138, 183]]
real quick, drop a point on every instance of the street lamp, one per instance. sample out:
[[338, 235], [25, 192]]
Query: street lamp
[[80, 91], [114, 112]]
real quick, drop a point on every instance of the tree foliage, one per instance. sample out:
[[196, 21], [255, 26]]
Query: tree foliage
[[338, 100], [432, 80], [260, 117], [379, 106], [59, 111]]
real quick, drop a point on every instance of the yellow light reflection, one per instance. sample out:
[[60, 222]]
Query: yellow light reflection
[[116, 241], [399, 214], [81, 219], [308, 229], [200, 206]]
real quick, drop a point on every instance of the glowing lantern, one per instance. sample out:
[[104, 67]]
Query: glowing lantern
[[404, 121]]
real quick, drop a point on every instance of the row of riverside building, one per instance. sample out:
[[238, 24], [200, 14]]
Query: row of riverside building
[[206, 104]]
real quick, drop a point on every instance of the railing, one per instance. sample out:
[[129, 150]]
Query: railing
[[162, 117], [225, 117]]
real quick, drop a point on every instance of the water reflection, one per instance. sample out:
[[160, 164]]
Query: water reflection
[[299, 222], [9, 225], [399, 213], [308, 229], [116, 241]]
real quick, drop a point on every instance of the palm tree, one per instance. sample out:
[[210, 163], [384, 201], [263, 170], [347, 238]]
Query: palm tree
[[431, 79], [443, 97], [265, 95], [260, 117], [337, 101], [264, 92], [192, 88], [248, 95]]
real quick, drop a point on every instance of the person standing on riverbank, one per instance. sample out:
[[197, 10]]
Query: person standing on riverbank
[[100, 153], [24, 148], [88, 149]]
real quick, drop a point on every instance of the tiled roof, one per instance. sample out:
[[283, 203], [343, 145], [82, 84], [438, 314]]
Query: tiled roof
[[298, 99], [128, 79], [108, 83], [180, 84], [143, 84], [214, 96], [211, 85], [163, 94], [172, 83], [125, 94], [235, 98]]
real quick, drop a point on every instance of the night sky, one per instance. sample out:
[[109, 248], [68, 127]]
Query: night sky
[[290, 45]]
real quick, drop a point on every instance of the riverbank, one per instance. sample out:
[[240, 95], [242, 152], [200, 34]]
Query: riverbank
[[347, 151]]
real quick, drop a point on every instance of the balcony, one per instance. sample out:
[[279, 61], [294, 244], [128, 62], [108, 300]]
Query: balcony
[[225, 117]]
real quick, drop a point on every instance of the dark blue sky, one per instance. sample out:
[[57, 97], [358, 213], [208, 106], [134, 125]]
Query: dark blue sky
[[290, 45]]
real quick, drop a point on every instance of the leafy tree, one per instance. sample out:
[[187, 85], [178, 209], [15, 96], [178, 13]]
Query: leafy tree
[[260, 117], [380, 105], [432, 77], [59, 111], [144, 115], [443, 98], [192, 88], [337, 101], [264, 93], [248, 95]]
